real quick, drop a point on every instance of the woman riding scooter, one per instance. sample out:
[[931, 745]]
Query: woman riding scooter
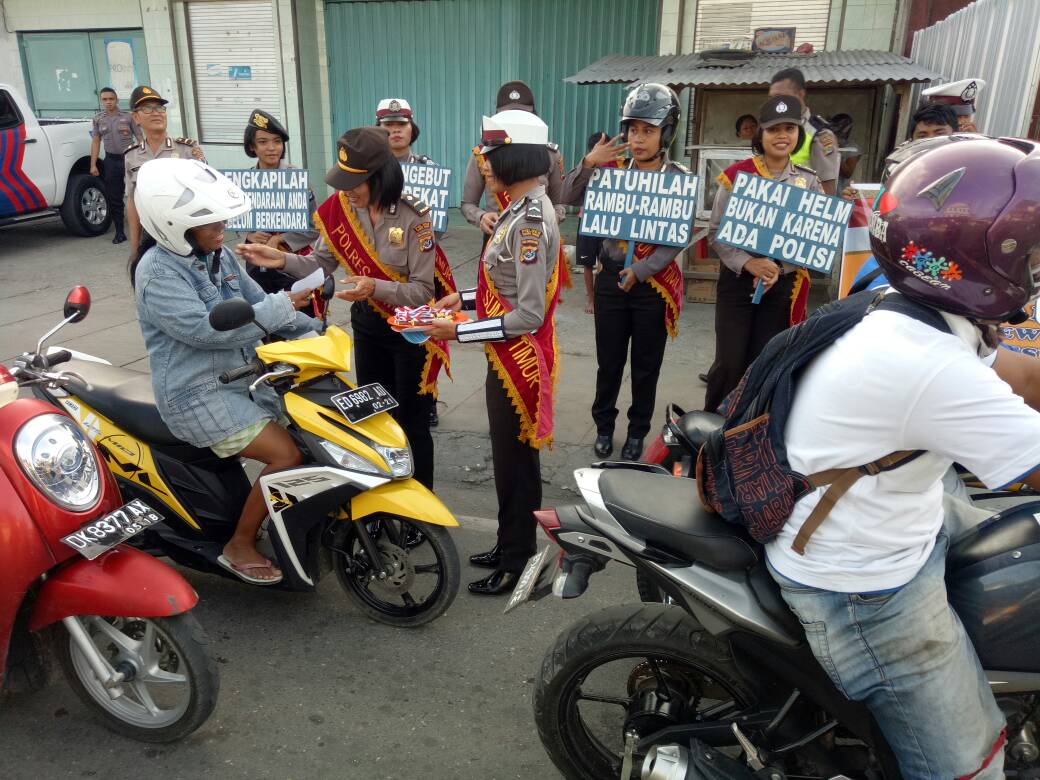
[[180, 272]]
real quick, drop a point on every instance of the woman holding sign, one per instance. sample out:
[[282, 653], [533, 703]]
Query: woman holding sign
[[744, 322], [516, 295], [384, 240]]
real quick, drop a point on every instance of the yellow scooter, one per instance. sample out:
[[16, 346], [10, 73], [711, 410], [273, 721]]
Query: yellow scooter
[[352, 507]]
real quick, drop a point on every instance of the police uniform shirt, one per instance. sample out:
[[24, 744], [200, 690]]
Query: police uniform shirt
[[141, 152], [475, 185], [116, 130], [405, 243], [614, 251], [732, 257], [824, 157], [520, 257], [415, 159], [297, 240]]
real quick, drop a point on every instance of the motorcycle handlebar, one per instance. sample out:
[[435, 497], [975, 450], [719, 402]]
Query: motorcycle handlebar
[[61, 356], [234, 374]]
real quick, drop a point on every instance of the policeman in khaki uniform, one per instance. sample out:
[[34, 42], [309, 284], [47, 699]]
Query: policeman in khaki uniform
[[116, 129], [513, 95], [149, 111], [819, 151], [960, 96], [515, 299], [395, 116]]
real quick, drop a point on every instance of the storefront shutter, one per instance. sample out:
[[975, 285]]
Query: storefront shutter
[[730, 23]]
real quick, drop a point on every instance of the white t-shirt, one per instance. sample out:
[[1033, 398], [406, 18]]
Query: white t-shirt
[[889, 384]]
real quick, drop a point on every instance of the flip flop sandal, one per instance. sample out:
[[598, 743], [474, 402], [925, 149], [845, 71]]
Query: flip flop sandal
[[241, 571]]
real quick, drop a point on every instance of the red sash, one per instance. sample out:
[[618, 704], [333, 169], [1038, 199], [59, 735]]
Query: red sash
[[527, 365], [755, 166], [345, 238], [668, 282], [502, 201]]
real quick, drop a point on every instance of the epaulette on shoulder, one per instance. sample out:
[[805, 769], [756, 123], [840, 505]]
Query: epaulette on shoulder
[[680, 166], [185, 141], [134, 145], [803, 168], [533, 212], [422, 159], [418, 206], [553, 147]]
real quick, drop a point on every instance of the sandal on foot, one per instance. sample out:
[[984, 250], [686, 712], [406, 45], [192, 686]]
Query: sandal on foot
[[241, 570]]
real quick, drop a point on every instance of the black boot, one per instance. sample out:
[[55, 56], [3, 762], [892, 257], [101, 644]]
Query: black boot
[[604, 445], [489, 559], [119, 238], [495, 584], [633, 448]]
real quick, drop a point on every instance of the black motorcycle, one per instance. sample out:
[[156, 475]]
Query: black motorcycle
[[725, 663]]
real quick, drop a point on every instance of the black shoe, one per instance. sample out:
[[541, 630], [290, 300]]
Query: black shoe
[[604, 445], [633, 448], [703, 378], [434, 419], [119, 238], [495, 584], [489, 559]]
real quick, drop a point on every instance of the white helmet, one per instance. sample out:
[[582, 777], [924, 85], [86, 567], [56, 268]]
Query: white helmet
[[174, 195]]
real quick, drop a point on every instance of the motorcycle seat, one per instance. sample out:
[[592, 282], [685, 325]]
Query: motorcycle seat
[[667, 512], [698, 426], [124, 396]]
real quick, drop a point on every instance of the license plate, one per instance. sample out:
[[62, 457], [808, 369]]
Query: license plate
[[531, 574], [363, 402], [114, 528]]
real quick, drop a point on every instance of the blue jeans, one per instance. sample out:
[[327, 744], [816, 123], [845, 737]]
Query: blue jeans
[[906, 655]]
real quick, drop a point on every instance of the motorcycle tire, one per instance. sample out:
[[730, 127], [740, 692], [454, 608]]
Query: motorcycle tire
[[391, 614], [185, 642], [630, 630]]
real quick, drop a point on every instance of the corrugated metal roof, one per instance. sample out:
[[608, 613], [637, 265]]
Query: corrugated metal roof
[[854, 66]]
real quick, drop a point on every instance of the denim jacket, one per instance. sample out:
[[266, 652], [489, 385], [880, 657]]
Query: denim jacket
[[174, 296]]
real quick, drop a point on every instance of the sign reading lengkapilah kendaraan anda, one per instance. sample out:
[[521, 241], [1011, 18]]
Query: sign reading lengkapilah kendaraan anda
[[430, 184], [769, 218], [279, 197], [651, 207]]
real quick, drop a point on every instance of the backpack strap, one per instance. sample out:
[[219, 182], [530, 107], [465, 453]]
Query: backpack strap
[[840, 480], [864, 283]]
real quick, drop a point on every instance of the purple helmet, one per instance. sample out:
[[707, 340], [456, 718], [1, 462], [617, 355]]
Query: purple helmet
[[957, 226]]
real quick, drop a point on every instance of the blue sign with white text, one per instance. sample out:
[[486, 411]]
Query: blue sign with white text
[[652, 207], [430, 184], [769, 218], [280, 199]]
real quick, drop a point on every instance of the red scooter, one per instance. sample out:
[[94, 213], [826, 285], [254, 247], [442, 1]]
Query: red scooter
[[118, 619]]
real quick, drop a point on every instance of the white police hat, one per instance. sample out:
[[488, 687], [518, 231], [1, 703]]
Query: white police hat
[[393, 108], [958, 95], [512, 127]]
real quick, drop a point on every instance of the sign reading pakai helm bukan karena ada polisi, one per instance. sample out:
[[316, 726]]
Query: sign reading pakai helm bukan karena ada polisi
[[280, 198], [650, 207], [769, 218]]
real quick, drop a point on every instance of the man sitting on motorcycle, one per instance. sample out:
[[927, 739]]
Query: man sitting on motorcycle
[[180, 272], [955, 229]]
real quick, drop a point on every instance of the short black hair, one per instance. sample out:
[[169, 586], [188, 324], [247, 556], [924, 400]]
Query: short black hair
[[934, 114], [794, 75], [740, 121], [107, 89], [249, 141], [386, 184], [758, 148], [518, 162]]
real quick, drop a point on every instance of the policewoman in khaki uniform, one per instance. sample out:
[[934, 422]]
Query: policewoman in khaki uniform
[[384, 240], [640, 304], [515, 298], [115, 130], [149, 112], [742, 328], [512, 96]]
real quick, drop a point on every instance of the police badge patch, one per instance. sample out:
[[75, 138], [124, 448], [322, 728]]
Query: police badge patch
[[424, 234], [528, 250], [396, 236]]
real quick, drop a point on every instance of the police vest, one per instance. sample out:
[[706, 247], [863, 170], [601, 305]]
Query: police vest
[[803, 154]]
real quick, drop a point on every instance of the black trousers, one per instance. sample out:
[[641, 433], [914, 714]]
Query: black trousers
[[112, 174], [518, 478], [380, 355], [743, 328], [637, 317]]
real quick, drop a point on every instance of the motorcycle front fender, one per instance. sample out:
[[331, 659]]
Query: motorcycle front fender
[[122, 582], [405, 498]]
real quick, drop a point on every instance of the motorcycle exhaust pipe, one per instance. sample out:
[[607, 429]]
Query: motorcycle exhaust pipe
[[666, 762]]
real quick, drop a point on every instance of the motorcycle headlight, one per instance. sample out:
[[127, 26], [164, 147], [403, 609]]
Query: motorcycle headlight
[[59, 460], [399, 459], [351, 460]]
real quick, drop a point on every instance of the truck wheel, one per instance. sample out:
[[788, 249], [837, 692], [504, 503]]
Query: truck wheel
[[85, 208]]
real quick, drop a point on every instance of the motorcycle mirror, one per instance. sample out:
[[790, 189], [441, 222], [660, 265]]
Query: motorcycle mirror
[[328, 289], [231, 314], [77, 304]]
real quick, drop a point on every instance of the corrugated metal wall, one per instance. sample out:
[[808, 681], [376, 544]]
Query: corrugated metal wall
[[448, 58], [997, 41]]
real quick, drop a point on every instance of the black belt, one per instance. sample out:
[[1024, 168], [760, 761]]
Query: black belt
[[113, 154]]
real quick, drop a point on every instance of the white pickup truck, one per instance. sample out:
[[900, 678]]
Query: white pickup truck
[[45, 169]]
